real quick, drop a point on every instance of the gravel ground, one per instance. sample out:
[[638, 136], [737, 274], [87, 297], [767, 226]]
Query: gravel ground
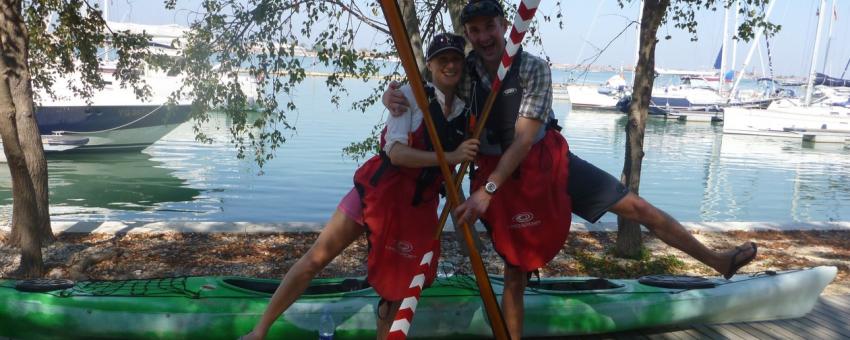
[[124, 256]]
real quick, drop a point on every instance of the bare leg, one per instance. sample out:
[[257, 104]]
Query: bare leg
[[673, 233], [512, 299], [386, 316], [340, 232]]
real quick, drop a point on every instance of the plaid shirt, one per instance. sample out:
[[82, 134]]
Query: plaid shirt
[[535, 78]]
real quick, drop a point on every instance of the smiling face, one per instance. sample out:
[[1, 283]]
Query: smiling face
[[446, 69], [487, 36]]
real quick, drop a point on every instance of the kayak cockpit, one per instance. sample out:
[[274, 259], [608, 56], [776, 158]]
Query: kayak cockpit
[[573, 285], [315, 288]]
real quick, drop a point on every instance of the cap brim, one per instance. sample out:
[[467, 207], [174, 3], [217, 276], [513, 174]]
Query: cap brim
[[444, 49]]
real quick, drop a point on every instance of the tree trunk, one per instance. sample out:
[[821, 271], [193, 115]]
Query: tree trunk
[[22, 143], [628, 235], [455, 7], [411, 22], [23, 196]]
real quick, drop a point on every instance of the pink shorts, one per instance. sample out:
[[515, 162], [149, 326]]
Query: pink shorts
[[351, 206]]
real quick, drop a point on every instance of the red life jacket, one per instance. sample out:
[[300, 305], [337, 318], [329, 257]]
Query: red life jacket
[[529, 216], [400, 210]]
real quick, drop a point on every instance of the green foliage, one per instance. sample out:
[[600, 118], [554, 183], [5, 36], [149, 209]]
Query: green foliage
[[362, 149], [258, 37], [607, 265], [66, 37]]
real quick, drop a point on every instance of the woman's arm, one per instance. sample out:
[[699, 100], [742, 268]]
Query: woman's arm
[[403, 155]]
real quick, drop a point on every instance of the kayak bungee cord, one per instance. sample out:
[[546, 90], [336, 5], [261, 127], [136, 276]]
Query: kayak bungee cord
[[404, 317], [525, 12]]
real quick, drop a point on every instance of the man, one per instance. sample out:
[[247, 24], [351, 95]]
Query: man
[[591, 190]]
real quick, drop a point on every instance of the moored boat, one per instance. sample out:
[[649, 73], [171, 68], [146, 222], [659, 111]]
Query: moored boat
[[110, 127], [226, 307], [787, 118]]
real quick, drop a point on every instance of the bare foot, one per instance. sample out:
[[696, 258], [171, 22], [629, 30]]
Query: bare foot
[[736, 258]]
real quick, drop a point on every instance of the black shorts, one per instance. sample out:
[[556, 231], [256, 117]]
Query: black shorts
[[593, 191]]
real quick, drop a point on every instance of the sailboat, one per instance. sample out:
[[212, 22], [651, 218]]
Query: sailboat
[[822, 116], [114, 118], [605, 96], [699, 95], [595, 97]]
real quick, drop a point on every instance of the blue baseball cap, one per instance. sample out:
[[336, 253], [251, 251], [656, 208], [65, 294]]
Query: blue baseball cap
[[445, 42]]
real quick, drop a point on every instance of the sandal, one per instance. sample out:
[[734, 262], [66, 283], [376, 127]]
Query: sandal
[[736, 264]]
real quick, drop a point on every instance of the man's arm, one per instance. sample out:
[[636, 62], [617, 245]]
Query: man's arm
[[536, 80], [524, 137], [394, 100]]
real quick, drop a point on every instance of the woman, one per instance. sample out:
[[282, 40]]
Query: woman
[[395, 196]]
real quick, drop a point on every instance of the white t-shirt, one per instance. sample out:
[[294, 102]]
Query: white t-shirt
[[399, 127]]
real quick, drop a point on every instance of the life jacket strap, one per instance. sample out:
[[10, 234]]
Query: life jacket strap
[[385, 163]]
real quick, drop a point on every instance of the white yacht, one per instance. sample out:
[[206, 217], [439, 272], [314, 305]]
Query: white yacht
[[594, 96], [790, 118], [113, 118], [823, 115]]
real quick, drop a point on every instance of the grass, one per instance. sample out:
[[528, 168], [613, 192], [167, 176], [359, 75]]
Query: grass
[[607, 265]]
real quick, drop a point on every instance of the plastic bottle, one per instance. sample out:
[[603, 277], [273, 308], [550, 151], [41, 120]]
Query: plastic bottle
[[326, 326]]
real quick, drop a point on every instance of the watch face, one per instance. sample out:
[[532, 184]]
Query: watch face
[[490, 187]]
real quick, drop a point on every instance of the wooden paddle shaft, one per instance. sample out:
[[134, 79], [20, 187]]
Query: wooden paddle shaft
[[408, 59]]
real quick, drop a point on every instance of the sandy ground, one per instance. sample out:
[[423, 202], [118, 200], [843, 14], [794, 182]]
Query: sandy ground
[[124, 256]]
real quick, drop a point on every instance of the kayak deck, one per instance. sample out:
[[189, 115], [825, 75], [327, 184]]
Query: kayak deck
[[225, 307]]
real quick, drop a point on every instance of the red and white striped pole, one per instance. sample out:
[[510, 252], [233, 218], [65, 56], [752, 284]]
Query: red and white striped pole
[[404, 316], [522, 21]]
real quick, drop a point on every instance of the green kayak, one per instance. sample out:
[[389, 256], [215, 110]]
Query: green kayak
[[226, 307]]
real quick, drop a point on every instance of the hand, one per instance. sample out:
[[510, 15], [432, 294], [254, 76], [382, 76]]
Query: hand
[[475, 206], [394, 100], [466, 151]]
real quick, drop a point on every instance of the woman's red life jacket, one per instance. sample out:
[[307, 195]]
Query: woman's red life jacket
[[529, 215], [400, 210]]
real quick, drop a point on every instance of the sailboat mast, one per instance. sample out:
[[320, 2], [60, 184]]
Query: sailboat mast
[[587, 32], [106, 20], [750, 53], [813, 68], [637, 39], [845, 68], [723, 50], [735, 41], [829, 37], [761, 62]]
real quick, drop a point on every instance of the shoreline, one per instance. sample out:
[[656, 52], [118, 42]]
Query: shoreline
[[135, 254], [122, 227]]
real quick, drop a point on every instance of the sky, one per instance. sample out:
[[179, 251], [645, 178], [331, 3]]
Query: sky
[[589, 25]]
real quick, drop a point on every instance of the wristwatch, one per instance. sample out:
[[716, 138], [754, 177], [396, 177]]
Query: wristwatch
[[490, 187]]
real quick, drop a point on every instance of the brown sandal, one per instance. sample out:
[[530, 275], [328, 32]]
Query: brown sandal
[[736, 264]]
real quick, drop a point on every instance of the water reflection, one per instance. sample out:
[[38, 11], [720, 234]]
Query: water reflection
[[94, 182], [691, 170], [697, 173], [810, 182]]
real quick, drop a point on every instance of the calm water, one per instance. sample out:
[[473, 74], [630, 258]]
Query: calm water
[[691, 170]]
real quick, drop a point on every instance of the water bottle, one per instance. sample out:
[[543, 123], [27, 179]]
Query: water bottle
[[326, 326]]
